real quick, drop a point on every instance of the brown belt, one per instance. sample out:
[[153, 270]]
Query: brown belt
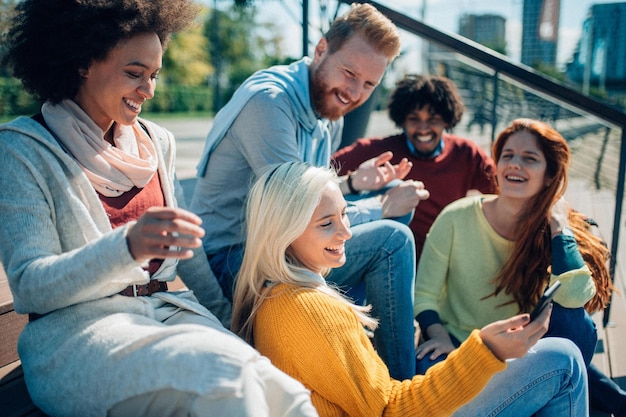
[[144, 290], [130, 291]]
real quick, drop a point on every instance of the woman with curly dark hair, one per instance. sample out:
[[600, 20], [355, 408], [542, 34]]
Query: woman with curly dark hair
[[92, 230]]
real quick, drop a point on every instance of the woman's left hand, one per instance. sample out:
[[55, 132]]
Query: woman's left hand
[[559, 214]]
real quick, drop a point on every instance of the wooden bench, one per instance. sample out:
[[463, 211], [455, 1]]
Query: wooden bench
[[14, 398]]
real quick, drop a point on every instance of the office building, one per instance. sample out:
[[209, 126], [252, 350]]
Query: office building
[[486, 29], [540, 32], [600, 57]]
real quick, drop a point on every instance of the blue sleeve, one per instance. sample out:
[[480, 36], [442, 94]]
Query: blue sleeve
[[565, 255], [427, 318]]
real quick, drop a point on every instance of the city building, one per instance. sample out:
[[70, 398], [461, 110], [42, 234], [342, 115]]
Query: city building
[[540, 33], [600, 57], [486, 29]]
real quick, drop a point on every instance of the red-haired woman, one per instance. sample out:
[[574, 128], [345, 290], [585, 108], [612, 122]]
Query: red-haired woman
[[491, 256]]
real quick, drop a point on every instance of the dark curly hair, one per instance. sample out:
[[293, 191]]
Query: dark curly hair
[[415, 91], [50, 40]]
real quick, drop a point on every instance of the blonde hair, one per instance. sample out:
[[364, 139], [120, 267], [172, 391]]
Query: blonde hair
[[279, 208], [365, 20]]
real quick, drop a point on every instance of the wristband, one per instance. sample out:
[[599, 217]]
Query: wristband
[[350, 186]]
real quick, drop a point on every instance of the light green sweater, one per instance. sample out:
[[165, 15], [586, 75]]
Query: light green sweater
[[461, 258]]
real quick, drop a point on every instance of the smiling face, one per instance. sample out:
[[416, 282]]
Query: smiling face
[[342, 81], [322, 244], [114, 88], [521, 168], [424, 129]]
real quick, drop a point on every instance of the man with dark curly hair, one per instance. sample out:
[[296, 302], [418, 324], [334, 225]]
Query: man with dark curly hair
[[92, 230], [450, 166]]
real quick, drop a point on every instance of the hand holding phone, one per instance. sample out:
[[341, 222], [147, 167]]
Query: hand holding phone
[[545, 299]]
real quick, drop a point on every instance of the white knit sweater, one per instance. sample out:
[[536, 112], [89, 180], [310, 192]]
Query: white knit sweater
[[94, 348]]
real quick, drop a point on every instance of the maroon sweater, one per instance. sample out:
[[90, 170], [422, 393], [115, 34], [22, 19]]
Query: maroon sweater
[[461, 166]]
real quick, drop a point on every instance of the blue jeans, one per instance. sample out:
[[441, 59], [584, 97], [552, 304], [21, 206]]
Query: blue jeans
[[574, 324], [225, 265], [381, 254], [550, 380]]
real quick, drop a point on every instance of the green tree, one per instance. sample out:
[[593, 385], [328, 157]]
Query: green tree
[[238, 46], [6, 11], [186, 60]]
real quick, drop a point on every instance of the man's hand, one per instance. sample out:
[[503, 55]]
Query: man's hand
[[400, 200], [377, 172]]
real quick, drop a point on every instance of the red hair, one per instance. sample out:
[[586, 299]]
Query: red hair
[[525, 274]]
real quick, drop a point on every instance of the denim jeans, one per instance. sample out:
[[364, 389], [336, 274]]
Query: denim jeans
[[576, 325], [381, 254], [550, 380], [225, 265]]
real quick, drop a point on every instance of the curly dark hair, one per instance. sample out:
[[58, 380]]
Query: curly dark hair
[[415, 91], [51, 40]]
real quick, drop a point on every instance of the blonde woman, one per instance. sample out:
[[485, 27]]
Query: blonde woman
[[296, 217]]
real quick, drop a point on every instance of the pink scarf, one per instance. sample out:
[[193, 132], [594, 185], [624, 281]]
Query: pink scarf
[[112, 170]]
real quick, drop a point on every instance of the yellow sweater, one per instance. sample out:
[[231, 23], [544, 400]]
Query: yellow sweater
[[320, 342]]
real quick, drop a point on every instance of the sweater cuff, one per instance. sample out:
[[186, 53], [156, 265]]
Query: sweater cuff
[[565, 254], [427, 318]]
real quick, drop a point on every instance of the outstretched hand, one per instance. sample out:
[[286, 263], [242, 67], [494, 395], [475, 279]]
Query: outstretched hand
[[164, 232], [377, 172], [513, 337]]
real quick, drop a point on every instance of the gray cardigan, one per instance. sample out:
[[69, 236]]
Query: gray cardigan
[[63, 260]]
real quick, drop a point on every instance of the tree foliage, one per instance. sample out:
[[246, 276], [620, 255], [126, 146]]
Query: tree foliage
[[238, 46], [204, 63], [186, 60]]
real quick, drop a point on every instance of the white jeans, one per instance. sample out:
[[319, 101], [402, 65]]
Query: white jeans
[[267, 392]]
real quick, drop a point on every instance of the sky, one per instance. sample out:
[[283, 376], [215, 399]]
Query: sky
[[442, 14]]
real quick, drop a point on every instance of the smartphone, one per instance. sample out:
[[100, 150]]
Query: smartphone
[[545, 299]]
